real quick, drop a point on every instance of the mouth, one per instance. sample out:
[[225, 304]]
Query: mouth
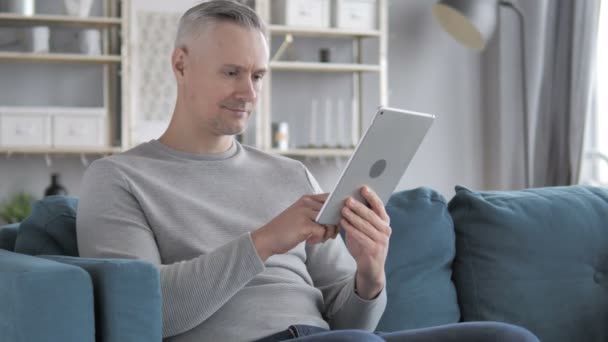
[[241, 110], [237, 110]]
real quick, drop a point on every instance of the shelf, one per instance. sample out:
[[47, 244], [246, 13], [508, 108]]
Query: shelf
[[324, 67], [315, 152], [59, 150], [41, 19], [322, 32], [58, 57]]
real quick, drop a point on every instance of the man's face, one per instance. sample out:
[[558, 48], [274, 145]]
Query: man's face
[[222, 76]]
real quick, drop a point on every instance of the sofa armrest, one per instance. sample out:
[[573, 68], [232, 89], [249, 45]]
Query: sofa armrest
[[42, 300], [127, 297], [8, 236]]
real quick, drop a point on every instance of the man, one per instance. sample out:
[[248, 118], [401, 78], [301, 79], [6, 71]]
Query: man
[[232, 228]]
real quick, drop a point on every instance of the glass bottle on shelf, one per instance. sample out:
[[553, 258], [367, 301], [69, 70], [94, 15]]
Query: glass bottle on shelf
[[55, 188], [280, 135]]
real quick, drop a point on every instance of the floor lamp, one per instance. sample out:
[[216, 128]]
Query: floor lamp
[[472, 23]]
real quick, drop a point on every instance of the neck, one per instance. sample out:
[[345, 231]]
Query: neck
[[185, 137]]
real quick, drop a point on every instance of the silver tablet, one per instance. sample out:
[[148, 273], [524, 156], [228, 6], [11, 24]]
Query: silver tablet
[[379, 160]]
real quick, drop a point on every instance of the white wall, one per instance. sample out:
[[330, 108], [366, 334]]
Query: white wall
[[31, 174], [428, 72]]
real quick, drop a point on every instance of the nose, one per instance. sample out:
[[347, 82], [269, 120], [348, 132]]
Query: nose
[[247, 90]]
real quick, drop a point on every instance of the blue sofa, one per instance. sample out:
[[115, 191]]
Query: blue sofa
[[537, 258], [48, 293]]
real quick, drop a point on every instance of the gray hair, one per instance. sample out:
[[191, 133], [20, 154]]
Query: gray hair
[[194, 20]]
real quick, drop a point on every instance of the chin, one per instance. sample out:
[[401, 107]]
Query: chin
[[237, 128], [233, 130]]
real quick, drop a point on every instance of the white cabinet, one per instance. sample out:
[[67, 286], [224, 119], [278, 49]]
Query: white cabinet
[[52, 127], [74, 127], [355, 14], [303, 13], [24, 127]]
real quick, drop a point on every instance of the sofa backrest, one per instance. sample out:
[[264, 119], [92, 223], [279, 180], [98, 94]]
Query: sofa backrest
[[50, 229], [419, 262], [8, 235]]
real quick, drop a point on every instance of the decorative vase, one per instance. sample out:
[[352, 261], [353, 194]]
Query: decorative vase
[[78, 8], [55, 188], [37, 39], [23, 7], [90, 41]]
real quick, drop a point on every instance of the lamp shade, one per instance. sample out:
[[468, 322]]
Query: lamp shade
[[471, 22]]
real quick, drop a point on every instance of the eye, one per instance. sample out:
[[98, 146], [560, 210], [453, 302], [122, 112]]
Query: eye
[[258, 77], [232, 73]]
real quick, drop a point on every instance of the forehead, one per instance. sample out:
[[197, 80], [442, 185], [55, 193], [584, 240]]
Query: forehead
[[230, 43]]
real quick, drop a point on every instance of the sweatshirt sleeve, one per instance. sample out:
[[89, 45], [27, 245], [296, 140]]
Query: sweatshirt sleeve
[[332, 269], [111, 224]]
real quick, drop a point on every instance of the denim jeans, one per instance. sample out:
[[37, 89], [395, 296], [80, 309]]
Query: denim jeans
[[469, 332]]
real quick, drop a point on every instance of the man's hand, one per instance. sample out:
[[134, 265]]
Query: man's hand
[[367, 234], [292, 226]]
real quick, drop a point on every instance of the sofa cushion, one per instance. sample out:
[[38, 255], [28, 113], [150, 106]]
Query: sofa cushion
[[8, 235], [43, 300], [537, 258], [50, 228], [418, 267], [127, 298]]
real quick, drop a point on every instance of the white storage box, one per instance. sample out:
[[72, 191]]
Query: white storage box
[[25, 127], [303, 13], [355, 14], [79, 127]]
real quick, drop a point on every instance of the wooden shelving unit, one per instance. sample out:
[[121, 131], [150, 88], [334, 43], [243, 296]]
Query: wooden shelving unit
[[53, 150], [323, 67], [357, 68], [116, 56], [10, 19], [328, 32], [58, 58], [110, 25]]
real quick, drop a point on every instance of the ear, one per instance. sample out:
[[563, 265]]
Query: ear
[[178, 62]]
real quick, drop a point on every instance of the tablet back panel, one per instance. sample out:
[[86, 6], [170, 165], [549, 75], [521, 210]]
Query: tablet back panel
[[380, 159]]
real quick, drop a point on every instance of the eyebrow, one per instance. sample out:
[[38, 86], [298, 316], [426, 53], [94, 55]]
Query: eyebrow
[[238, 67]]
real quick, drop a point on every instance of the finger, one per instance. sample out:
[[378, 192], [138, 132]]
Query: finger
[[336, 231], [375, 203], [317, 234], [327, 232], [367, 215], [313, 240], [312, 214], [312, 204], [318, 197], [339, 229], [330, 232], [360, 224], [356, 234]]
